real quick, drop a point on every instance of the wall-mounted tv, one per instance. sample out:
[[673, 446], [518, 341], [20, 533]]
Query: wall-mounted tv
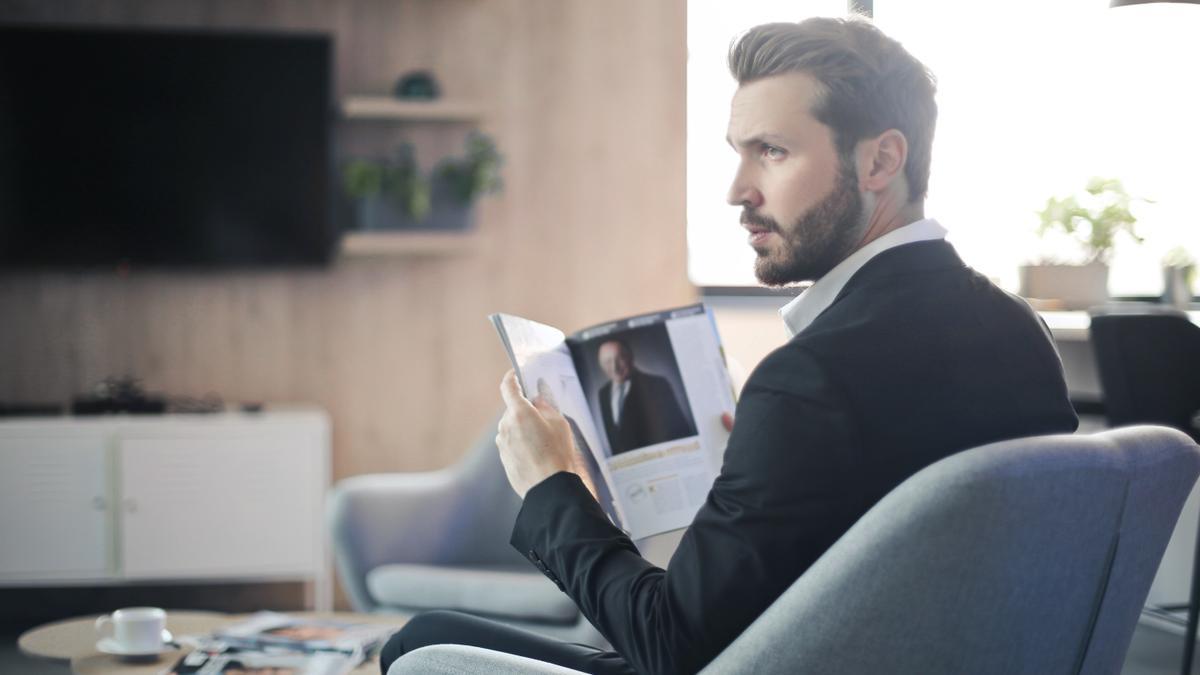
[[156, 148]]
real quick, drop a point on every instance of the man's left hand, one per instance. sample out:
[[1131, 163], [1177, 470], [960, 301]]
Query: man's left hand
[[534, 438]]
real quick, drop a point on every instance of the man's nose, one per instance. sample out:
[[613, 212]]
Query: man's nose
[[743, 192]]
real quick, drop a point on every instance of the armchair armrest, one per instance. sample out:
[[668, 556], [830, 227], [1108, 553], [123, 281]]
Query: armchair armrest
[[462, 659]]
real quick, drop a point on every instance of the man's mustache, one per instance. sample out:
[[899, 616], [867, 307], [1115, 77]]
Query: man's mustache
[[751, 218]]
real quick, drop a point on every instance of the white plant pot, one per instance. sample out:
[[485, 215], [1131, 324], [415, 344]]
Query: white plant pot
[[1071, 286], [1177, 286]]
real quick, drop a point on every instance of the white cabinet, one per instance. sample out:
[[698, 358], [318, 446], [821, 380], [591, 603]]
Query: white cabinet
[[54, 518], [231, 497]]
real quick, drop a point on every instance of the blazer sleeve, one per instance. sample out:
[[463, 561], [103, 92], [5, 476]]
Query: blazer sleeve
[[784, 495]]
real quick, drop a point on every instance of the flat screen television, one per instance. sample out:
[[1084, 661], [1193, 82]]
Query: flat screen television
[[156, 148]]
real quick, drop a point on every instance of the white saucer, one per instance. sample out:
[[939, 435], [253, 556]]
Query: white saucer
[[110, 646]]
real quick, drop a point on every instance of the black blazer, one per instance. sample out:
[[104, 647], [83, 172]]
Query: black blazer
[[919, 357], [649, 414]]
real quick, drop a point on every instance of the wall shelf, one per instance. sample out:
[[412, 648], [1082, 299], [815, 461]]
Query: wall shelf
[[388, 108], [413, 243]]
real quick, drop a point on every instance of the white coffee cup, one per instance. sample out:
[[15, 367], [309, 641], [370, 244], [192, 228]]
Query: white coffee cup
[[134, 628]]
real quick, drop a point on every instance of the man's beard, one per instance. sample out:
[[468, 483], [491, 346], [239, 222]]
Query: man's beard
[[818, 240]]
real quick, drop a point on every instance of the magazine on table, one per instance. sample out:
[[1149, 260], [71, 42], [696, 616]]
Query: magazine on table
[[280, 644], [213, 657], [644, 397], [273, 629]]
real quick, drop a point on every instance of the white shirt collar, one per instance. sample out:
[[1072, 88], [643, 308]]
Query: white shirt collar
[[807, 306], [617, 399]]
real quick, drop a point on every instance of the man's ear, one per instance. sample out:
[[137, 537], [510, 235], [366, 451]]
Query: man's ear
[[881, 160]]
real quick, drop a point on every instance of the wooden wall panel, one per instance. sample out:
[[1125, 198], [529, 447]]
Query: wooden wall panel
[[586, 101]]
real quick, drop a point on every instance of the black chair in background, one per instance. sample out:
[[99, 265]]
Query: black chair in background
[[1149, 367]]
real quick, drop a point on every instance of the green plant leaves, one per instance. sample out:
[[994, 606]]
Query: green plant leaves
[[399, 178], [361, 178], [476, 173], [1094, 222]]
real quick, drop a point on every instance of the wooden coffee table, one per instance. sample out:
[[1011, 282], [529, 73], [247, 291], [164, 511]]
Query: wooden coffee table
[[74, 641]]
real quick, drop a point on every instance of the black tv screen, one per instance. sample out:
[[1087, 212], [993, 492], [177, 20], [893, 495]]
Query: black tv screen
[[164, 148]]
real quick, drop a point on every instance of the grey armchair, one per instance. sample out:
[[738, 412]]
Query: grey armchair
[[408, 542], [1027, 556]]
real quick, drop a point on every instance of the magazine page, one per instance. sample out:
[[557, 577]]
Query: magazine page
[[657, 386], [543, 364]]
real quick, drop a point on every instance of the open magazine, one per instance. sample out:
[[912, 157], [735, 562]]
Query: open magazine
[[213, 657], [270, 642], [644, 397]]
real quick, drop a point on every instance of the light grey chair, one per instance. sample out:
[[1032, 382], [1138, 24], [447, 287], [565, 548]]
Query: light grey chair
[[1027, 556], [408, 542]]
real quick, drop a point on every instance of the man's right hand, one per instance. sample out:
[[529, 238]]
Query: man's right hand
[[727, 421], [534, 439]]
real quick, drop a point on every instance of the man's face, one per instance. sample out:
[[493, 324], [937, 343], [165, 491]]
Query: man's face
[[800, 200], [615, 362]]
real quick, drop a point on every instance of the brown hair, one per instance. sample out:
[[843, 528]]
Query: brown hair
[[868, 82]]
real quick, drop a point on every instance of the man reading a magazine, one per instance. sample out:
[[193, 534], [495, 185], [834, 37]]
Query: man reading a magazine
[[900, 356]]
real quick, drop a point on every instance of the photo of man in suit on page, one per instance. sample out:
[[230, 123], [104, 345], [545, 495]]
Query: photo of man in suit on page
[[638, 408]]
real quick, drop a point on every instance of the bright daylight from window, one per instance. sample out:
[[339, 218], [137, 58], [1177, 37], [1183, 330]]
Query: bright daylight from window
[[1034, 99]]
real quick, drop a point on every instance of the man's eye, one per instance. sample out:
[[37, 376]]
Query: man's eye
[[773, 152]]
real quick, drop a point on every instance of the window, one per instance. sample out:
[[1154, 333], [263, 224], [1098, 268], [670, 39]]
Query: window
[[1034, 99]]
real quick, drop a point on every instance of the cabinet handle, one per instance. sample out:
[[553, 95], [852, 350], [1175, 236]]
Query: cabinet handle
[[100, 503], [130, 506]]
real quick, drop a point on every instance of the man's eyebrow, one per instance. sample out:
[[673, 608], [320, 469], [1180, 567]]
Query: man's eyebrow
[[754, 141]]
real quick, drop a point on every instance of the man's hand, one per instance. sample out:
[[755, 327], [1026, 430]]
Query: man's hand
[[727, 421], [534, 438]]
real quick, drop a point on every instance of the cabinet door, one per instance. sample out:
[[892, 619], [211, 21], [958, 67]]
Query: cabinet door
[[54, 520], [219, 506]]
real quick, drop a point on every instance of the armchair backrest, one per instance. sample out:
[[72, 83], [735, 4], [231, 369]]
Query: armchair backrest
[[487, 508], [459, 515], [1026, 556]]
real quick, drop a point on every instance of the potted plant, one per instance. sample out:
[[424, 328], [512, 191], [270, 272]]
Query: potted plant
[[393, 194], [476, 173], [1092, 221], [459, 181], [389, 194]]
